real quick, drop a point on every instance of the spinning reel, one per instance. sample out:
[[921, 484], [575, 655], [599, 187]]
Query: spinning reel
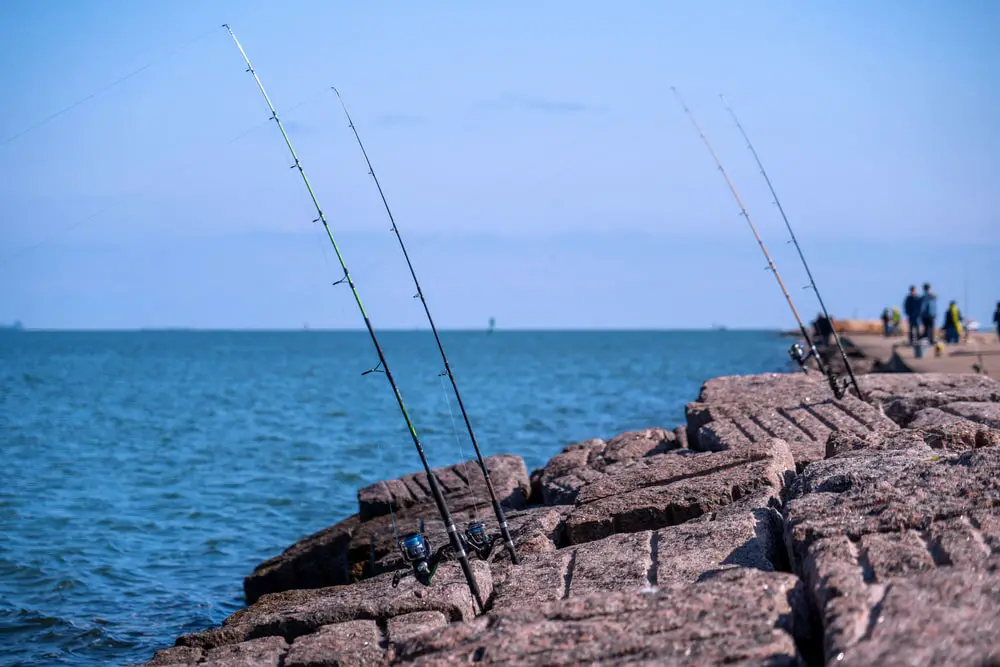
[[423, 561], [800, 357], [479, 541], [418, 554]]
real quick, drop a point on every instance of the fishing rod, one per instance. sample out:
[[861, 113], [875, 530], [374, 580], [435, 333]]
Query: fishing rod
[[788, 225], [475, 533], [383, 365], [795, 352]]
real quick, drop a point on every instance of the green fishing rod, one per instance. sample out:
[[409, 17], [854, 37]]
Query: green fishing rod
[[382, 366], [497, 509], [796, 351], [788, 225]]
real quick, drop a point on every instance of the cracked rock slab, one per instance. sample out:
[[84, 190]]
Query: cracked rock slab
[[740, 617], [508, 473], [903, 395], [669, 489], [672, 556], [581, 463], [357, 643], [342, 553], [915, 523], [292, 614], [805, 424], [262, 652]]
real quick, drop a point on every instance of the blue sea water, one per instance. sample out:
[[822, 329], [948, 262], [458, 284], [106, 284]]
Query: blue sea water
[[146, 473]]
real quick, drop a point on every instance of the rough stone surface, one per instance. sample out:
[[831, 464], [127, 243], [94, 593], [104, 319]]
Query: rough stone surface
[[675, 487], [342, 553], [509, 475], [359, 643], [578, 464], [262, 652], [903, 395], [401, 628], [294, 613], [805, 421], [741, 617], [872, 523]]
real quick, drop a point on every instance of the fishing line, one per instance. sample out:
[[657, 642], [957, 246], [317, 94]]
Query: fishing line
[[788, 225], [383, 366], [497, 509], [458, 441], [795, 352], [107, 87], [181, 167]]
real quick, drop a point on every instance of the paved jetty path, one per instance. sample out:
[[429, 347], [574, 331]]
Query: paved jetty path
[[895, 354]]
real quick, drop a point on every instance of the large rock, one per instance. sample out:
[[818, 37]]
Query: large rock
[[903, 395], [804, 420], [882, 535], [738, 617], [581, 463], [262, 652], [462, 484], [295, 613], [669, 489], [344, 552], [671, 556]]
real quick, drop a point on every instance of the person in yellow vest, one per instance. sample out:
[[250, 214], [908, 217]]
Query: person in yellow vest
[[896, 321], [952, 324]]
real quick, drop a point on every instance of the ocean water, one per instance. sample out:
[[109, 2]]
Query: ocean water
[[146, 473]]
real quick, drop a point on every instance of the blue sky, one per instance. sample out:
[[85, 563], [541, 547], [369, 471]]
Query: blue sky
[[532, 152]]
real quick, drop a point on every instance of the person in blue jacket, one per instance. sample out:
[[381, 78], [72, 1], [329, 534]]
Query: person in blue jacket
[[928, 312], [911, 306]]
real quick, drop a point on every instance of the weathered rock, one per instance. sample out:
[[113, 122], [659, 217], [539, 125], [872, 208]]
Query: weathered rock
[[508, 473], [947, 430], [291, 614], [805, 424], [739, 617], [342, 553], [764, 389], [262, 652], [942, 617], [352, 643], [987, 414], [582, 463], [865, 524], [903, 395], [669, 489], [401, 628]]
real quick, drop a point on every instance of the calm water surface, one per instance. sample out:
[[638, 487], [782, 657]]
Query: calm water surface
[[146, 473]]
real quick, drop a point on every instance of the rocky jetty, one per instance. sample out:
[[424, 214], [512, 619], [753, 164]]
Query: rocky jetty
[[778, 526]]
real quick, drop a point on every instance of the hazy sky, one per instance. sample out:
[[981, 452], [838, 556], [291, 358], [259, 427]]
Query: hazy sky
[[533, 154]]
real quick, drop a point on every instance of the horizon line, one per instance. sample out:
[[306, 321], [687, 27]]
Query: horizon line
[[385, 329]]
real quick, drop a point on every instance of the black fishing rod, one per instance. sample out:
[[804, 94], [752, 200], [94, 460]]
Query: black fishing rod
[[474, 534], [382, 366], [788, 225], [795, 352]]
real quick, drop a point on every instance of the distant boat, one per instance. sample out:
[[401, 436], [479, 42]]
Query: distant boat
[[493, 324], [16, 326], [719, 327]]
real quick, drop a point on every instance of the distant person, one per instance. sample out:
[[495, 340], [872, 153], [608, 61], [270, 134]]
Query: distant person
[[911, 306], [996, 319], [886, 317], [952, 324], [896, 320], [928, 312]]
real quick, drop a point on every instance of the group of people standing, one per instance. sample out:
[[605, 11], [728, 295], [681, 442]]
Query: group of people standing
[[921, 312]]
